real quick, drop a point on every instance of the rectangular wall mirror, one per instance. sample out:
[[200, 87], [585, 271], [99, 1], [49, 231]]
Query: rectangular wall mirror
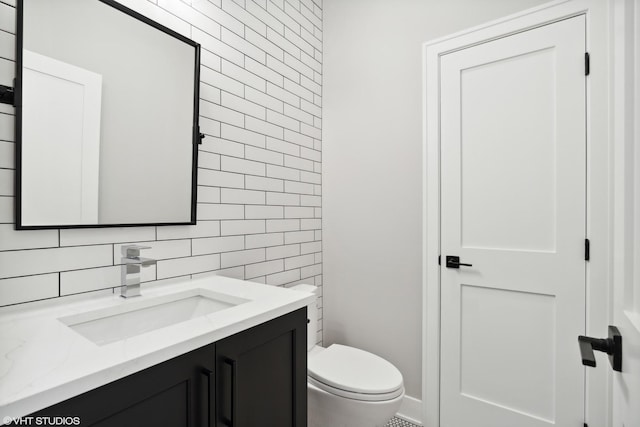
[[106, 117]]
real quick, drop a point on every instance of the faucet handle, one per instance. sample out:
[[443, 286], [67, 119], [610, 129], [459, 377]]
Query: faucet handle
[[132, 250]]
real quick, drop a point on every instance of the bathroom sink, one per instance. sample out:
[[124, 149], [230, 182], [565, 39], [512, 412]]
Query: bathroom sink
[[131, 318]]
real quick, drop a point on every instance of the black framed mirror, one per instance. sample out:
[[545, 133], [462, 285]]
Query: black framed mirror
[[106, 117]]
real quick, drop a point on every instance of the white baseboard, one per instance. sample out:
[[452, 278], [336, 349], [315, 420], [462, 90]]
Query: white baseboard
[[411, 410]]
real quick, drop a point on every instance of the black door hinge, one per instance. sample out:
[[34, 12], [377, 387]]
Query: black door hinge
[[586, 425], [439, 263], [587, 64], [587, 249]]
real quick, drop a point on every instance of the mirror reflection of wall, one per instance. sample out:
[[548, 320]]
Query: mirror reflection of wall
[[107, 119]]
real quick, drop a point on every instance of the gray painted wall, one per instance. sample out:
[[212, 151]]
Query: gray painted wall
[[372, 219]]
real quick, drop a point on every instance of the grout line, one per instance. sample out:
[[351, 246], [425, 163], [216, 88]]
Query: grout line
[[264, 91], [307, 69]]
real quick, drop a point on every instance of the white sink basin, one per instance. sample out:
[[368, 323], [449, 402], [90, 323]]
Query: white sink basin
[[135, 317]]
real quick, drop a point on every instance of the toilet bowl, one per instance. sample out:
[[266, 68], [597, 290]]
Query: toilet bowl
[[346, 386]]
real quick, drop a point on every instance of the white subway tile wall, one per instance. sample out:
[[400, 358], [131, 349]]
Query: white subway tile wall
[[259, 180]]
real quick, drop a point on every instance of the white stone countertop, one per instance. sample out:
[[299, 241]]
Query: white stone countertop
[[44, 362]]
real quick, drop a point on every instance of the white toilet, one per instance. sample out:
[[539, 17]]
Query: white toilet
[[348, 387]]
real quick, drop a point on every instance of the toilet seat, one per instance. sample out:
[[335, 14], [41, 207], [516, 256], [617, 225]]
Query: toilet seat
[[354, 374], [369, 397]]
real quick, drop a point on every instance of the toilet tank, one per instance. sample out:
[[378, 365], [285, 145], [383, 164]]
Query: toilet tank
[[312, 314]]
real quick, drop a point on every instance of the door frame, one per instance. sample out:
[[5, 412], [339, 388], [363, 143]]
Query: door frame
[[625, 105], [597, 381]]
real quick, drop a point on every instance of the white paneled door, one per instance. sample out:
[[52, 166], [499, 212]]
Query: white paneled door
[[61, 147], [513, 195]]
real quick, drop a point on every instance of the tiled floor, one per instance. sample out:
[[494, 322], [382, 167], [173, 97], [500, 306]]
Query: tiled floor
[[398, 422]]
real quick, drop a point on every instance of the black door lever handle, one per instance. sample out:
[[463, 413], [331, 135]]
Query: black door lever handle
[[612, 346], [454, 262], [588, 345]]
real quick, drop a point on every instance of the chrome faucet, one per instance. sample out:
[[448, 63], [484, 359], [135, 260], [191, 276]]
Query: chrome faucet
[[130, 271]]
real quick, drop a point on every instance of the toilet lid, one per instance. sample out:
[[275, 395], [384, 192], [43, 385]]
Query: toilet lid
[[354, 370]]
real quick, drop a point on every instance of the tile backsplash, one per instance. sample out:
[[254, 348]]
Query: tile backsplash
[[259, 173]]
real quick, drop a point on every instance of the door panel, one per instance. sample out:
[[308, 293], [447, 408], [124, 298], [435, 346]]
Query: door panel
[[484, 311], [513, 205], [494, 216]]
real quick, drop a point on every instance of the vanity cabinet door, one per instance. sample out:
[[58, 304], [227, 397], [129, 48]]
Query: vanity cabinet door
[[175, 393], [261, 374]]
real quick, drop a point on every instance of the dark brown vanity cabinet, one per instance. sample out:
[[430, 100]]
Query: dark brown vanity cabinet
[[261, 375], [172, 394], [257, 377]]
